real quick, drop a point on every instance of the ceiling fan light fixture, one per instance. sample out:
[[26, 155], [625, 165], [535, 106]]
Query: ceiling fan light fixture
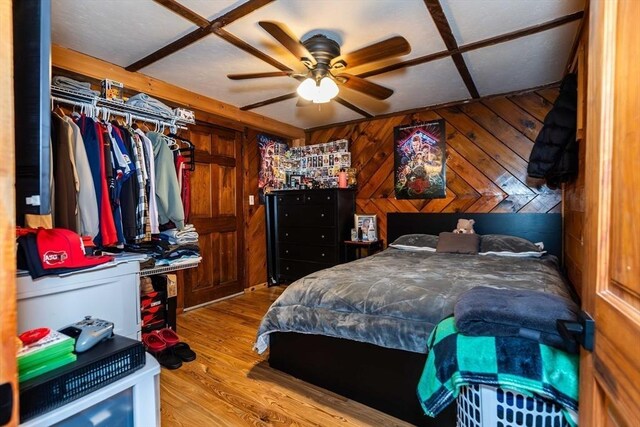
[[318, 92]]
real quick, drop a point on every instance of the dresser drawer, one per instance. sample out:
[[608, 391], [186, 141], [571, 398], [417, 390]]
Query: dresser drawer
[[311, 197], [307, 235], [320, 198], [291, 270], [290, 199], [307, 215], [309, 253]]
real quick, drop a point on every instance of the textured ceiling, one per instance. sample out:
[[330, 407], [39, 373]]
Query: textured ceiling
[[125, 31]]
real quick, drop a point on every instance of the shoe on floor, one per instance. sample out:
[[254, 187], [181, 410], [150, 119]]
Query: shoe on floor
[[168, 359], [183, 352]]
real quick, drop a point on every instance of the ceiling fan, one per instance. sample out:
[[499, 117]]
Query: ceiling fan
[[325, 64]]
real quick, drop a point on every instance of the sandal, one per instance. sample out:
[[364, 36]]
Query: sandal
[[167, 359], [169, 337], [184, 352], [153, 342]]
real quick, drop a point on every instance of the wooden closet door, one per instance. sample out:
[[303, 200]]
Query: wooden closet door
[[216, 212], [8, 332], [610, 376]]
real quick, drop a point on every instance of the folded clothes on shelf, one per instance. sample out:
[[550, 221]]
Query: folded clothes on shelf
[[143, 100], [74, 85], [174, 236]]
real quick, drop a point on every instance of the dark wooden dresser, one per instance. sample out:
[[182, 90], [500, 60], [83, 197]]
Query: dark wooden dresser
[[305, 231]]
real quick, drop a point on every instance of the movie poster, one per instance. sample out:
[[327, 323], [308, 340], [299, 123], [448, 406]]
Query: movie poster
[[272, 149], [420, 159]]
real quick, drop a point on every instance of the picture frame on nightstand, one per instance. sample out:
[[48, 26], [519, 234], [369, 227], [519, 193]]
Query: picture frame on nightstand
[[365, 221]]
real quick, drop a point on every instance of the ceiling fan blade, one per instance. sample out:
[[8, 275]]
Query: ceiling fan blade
[[282, 34], [395, 46], [258, 75], [361, 85]]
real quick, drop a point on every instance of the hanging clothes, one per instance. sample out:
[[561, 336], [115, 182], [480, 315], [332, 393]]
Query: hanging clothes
[[182, 170], [108, 234], [167, 189], [147, 145], [142, 213], [125, 197], [65, 177], [88, 219]]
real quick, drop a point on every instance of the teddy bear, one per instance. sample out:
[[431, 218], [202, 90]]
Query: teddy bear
[[465, 226]]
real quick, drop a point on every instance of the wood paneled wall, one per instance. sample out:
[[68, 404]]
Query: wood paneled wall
[[254, 216], [488, 146], [573, 195]]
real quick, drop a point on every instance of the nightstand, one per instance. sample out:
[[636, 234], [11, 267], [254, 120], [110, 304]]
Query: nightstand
[[353, 249]]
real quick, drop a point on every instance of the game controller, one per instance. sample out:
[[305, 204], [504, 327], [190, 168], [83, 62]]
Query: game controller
[[88, 332]]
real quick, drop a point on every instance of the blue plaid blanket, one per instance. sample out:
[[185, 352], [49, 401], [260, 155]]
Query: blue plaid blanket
[[511, 363]]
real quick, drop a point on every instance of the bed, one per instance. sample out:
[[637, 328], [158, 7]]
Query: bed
[[366, 338]]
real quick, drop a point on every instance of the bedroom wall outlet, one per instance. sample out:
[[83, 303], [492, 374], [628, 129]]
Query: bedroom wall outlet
[[252, 200]]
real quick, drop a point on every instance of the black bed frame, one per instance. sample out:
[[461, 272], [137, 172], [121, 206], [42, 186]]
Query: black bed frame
[[382, 378]]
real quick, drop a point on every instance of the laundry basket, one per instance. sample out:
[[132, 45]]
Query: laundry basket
[[485, 406]]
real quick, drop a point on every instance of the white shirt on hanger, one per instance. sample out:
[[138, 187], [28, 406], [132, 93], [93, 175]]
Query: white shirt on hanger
[[153, 207]]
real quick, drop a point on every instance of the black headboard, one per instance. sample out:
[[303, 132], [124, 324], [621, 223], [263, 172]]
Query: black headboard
[[536, 227]]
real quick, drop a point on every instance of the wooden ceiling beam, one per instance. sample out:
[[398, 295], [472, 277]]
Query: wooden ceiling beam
[[269, 101], [352, 107], [240, 44], [534, 29], [184, 11], [442, 23], [85, 65], [197, 34]]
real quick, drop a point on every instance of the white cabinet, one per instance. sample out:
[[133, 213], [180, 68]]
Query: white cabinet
[[131, 401], [109, 292]]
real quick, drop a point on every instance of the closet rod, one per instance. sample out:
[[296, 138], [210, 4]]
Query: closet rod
[[164, 123]]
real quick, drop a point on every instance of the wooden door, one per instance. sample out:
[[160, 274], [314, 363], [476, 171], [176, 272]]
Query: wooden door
[[216, 212], [610, 376], [8, 373]]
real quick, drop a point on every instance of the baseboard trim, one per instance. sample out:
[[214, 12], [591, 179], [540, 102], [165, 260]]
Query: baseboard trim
[[213, 302], [255, 287]]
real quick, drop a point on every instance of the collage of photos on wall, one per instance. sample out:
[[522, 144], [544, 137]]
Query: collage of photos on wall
[[316, 165]]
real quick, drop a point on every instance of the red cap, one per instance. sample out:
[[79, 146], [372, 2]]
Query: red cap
[[62, 248]]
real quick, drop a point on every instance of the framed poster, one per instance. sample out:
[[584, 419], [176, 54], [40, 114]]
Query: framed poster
[[271, 149], [420, 160]]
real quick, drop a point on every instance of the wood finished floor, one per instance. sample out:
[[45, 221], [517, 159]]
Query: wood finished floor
[[231, 385]]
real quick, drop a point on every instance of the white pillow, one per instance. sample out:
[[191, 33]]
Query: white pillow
[[413, 248], [531, 254]]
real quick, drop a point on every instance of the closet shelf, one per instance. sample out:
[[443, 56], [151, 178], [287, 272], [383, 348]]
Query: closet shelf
[[192, 263], [117, 108]]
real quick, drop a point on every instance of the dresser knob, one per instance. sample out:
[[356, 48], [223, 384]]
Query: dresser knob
[[286, 251], [297, 198], [286, 214], [328, 197], [322, 254], [287, 268], [308, 197], [286, 234], [321, 215], [322, 236]]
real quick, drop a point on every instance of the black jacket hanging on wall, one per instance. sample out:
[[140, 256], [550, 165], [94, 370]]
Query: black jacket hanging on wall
[[555, 153]]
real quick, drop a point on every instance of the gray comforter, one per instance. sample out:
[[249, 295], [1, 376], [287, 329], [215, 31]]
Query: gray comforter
[[395, 298]]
